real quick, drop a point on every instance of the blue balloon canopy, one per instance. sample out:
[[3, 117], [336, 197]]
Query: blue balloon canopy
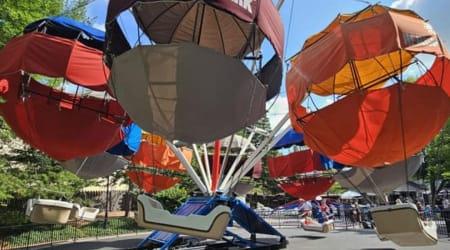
[[289, 139], [130, 143], [69, 28]]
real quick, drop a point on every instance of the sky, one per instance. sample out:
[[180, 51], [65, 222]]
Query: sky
[[309, 17]]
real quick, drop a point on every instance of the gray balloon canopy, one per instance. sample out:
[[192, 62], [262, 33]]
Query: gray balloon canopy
[[186, 92], [383, 179], [100, 165]]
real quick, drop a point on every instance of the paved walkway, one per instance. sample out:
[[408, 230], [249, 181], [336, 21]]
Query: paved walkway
[[298, 239]]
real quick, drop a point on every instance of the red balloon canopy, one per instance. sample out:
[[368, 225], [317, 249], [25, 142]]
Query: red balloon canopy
[[61, 125]]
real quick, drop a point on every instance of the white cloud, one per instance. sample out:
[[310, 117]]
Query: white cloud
[[403, 4], [278, 110], [100, 26]]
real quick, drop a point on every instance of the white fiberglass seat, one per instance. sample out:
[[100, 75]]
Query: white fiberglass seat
[[151, 215], [43, 211], [402, 225], [312, 225], [84, 213]]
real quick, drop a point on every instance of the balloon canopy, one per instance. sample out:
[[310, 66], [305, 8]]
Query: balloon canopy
[[231, 27], [101, 165], [151, 183], [361, 59], [382, 179]]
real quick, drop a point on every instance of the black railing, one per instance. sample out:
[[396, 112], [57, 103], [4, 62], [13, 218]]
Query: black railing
[[30, 235]]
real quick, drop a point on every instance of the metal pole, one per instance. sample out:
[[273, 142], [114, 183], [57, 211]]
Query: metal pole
[[208, 170], [262, 149], [188, 167], [237, 160], [200, 164]]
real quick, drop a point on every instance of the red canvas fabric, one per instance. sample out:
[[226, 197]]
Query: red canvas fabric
[[438, 75], [151, 183], [307, 189], [376, 31], [158, 155], [53, 56], [58, 124], [365, 129], [295, 163]]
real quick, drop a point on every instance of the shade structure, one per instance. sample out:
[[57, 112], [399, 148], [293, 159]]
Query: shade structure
[[151, 183], [153, 152], [307, 189], [166, 94], [374, 43], [68, 28], [378, 127], [383, 179], [227, 26], [131, 135], [100, 165], [61, 125], [53, 56]]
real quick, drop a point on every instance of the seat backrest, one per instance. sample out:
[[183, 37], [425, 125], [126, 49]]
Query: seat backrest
[[148, 201], [400, 218]]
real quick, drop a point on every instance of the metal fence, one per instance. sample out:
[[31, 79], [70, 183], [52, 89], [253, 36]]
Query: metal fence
[[285, 219], [30, 235]]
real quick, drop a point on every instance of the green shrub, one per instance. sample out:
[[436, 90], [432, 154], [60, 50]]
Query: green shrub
[[172, 197]]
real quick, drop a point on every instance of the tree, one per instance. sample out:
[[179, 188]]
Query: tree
[[25, 172], [437, 162], [16, 14]]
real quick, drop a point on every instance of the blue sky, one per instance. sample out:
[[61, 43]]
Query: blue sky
[[310, 17]]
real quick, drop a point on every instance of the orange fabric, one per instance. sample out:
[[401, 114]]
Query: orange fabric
[[53, 56], [326, 58], [53, 122], [151, 183], [307, 189], [438, 75], [159, 155], [364, 129]]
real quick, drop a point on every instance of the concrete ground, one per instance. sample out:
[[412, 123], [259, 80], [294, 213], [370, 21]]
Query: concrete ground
[[298, 239]]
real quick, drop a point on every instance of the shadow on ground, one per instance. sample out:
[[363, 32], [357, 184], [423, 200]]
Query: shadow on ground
[[116, 244], [308, 237]]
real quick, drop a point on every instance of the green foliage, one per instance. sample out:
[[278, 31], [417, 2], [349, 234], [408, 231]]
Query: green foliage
[[437, 164], [25, 172], [28, 173], [172, 197], [16, 14], [337, 189]]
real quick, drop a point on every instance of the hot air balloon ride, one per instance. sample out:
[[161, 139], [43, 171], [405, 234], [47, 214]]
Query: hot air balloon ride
[[65, 122], [159, 87], [378, 117], [187, 80], [362, 60], [153, 164]]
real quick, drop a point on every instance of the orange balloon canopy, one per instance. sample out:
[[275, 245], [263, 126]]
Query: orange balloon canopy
[[356, 57], [379, 126], [153, 152], [151, 183]]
